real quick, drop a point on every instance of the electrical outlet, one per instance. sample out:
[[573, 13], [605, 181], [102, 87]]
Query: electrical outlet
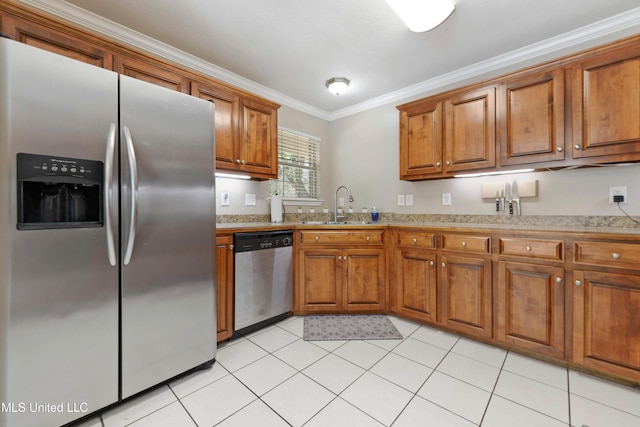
[[408, 199], [224, 198], [446, 199], [618, 191], [249, 199], [400, 199]]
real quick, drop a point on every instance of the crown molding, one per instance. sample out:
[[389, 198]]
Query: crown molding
[[620, 25], [616, 25]]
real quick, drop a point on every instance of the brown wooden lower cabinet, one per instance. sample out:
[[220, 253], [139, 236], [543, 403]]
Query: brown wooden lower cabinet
[[416, 292], [224, 286], [466, 301], [530, 307], [606, 322]]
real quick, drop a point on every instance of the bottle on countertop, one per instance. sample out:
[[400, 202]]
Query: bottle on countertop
[[374, 214]]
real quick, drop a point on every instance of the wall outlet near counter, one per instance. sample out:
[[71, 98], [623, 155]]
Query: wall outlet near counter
[[446, 199], [617, 191]]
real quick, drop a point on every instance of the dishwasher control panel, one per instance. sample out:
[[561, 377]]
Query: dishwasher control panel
[[245, 242]]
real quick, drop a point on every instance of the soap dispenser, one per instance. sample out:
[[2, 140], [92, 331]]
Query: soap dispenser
[[374, 214]]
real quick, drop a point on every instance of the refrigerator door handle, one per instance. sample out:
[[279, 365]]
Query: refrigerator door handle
[[133, 173], [108, 196]]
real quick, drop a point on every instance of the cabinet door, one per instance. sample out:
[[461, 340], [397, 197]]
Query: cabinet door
[[465, 285], [606, 105], [531, 119], [416, 284], [470, 136], [320, 274], [421, 140], [606, 325], [364, 279], [55, 41], [224, 286], [259, 140], [152, 73], [530, 307], [227, 111]]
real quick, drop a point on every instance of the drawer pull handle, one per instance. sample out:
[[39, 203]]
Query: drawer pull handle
[[414, 240], [317, 238], [528, 248], [578, 283], [464, 244], [558, 279], [368, 238], [615, 255]]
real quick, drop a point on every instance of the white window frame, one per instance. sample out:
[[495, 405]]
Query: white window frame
[[293, 138]]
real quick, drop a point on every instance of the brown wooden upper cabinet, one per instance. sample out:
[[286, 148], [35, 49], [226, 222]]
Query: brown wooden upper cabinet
[[55, 41], [258, 149], [469, 131], [531, 119], [606, 105], [439, 136], [152, 72], [227, 114], [421, 140]]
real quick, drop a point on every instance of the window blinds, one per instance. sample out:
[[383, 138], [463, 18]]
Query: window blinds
[[298, 165]]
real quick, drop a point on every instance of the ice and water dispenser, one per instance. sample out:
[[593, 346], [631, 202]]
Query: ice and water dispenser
[[58, 192]]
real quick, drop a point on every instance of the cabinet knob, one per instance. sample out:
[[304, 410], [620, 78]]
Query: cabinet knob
[[414, 240], [243, 161], [447, 162], [443, 264], [558, 279], [339, 257], [317, 238], [368, 238], [238, 161], [528, 248], [578, 282], [431, 262], [559, 149], [577, 147], [615, 255], [464, 244], [231, 247], [438, 163]]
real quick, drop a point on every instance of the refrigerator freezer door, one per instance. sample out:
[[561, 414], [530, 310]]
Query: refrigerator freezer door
[[168, 289], [58, 291]]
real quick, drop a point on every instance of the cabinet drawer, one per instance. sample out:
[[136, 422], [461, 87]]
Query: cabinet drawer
[[532, 248], [466, 243], [356, 237], [420, 239], [608, 254]]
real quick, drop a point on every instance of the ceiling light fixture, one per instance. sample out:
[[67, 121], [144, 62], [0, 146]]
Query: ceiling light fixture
[[422, 15], [337, 85]]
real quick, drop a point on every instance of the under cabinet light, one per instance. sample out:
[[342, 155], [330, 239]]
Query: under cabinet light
[[231, 175], [473, 175]]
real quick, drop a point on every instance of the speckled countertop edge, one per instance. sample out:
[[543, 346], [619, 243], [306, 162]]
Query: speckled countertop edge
[[609, 224]]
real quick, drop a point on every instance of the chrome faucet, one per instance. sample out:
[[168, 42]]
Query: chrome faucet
[[335, 206]]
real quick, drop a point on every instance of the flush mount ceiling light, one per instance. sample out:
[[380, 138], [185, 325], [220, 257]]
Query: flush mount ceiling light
[[337, 85], [422, 15]]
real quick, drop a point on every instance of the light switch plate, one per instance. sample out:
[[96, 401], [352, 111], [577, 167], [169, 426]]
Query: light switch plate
[[250, 199], [446, 199], [408, 199], [224, 199], [400, 199]]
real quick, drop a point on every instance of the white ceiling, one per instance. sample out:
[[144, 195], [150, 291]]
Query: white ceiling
[[293, 46]]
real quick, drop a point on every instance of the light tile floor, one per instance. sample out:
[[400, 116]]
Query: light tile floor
[[273, 378]]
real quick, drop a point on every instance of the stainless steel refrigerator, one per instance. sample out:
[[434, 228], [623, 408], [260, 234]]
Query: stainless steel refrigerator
[[107, 230]]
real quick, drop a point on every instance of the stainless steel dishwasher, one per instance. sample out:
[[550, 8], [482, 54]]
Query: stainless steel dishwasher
[[263, 278]]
